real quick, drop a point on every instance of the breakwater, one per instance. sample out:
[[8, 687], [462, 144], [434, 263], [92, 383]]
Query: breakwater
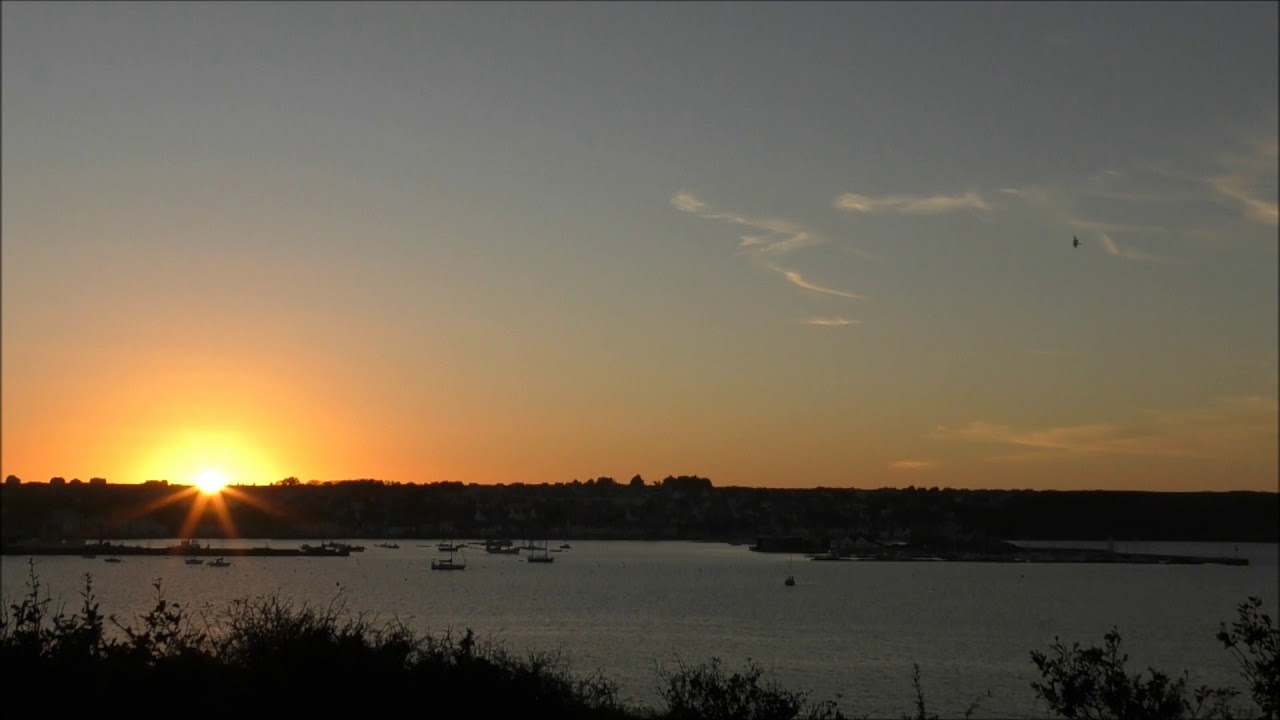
[[1027, 555], [1057, 555], [181, 550]]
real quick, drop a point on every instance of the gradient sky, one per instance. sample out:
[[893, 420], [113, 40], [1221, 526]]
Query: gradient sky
[[785, 245]]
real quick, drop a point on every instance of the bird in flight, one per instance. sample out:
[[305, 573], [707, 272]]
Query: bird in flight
[[1075, 241]]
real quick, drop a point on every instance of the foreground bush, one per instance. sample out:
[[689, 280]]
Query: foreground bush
[[1093, 683], [705, 692], [267, 655], [1253, 641]]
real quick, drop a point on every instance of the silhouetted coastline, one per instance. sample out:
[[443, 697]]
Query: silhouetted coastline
[[933, 520]]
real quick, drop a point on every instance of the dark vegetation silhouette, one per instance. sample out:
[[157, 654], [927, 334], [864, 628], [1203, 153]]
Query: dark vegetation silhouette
[[683, 507], [266, 654], [1093, 683]]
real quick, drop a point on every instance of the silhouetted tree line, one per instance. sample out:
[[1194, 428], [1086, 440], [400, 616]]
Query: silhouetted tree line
[[678, 507]]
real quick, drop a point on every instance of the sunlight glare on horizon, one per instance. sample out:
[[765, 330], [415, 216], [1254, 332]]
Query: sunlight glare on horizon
[[207, 459], [210, 481]]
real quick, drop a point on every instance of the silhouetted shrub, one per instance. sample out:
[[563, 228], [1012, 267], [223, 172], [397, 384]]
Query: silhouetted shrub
[[264, 654], [1093, 684], [1253, 640], [706, 692]]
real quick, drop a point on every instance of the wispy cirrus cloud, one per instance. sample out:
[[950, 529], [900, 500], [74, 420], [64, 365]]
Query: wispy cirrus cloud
[[772, 236], [911, 464], [1116, 208], [1114, 250], [834, 321], [686, 202], [1096, 438], [769, 238], [1061, 207], [912, 204], [1249, 181], [1214, 431], [798, 280]]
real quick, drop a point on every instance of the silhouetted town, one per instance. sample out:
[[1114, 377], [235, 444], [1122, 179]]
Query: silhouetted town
[[674, 508]]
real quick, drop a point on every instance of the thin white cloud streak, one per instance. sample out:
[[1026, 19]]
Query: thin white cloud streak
[[911, 204], [686, 202], [1242, 182], [836, 321], [911, 465], [1245, 179], [1110, 247], [1260, 210], [781, 236], [798, 280], [1219, 431], [1059, 208]]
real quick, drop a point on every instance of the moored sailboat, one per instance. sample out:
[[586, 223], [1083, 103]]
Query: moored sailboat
[[541, 555], [450, 562]]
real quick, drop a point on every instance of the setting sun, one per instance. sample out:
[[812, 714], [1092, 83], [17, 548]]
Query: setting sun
[[207, 458], [210, 482]]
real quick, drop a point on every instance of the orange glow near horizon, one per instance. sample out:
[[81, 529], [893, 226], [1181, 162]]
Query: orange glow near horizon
[[1182, 449], [209, 459]]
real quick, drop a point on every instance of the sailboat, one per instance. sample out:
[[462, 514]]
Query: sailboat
[[500, 547], [541, 555], [449, 563], [791, 579]]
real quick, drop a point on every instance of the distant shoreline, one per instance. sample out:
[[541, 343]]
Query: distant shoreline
[[678, 508], [1003, 553], [110, 549]]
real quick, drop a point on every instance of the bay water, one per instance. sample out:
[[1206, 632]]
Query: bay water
[[847, 631]]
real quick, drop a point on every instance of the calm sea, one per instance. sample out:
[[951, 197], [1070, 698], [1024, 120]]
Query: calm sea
[[848, 631]]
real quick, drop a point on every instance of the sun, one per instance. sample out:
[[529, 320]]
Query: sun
[[210, 481]]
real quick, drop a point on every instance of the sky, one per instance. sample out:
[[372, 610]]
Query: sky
[[775, 245]]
